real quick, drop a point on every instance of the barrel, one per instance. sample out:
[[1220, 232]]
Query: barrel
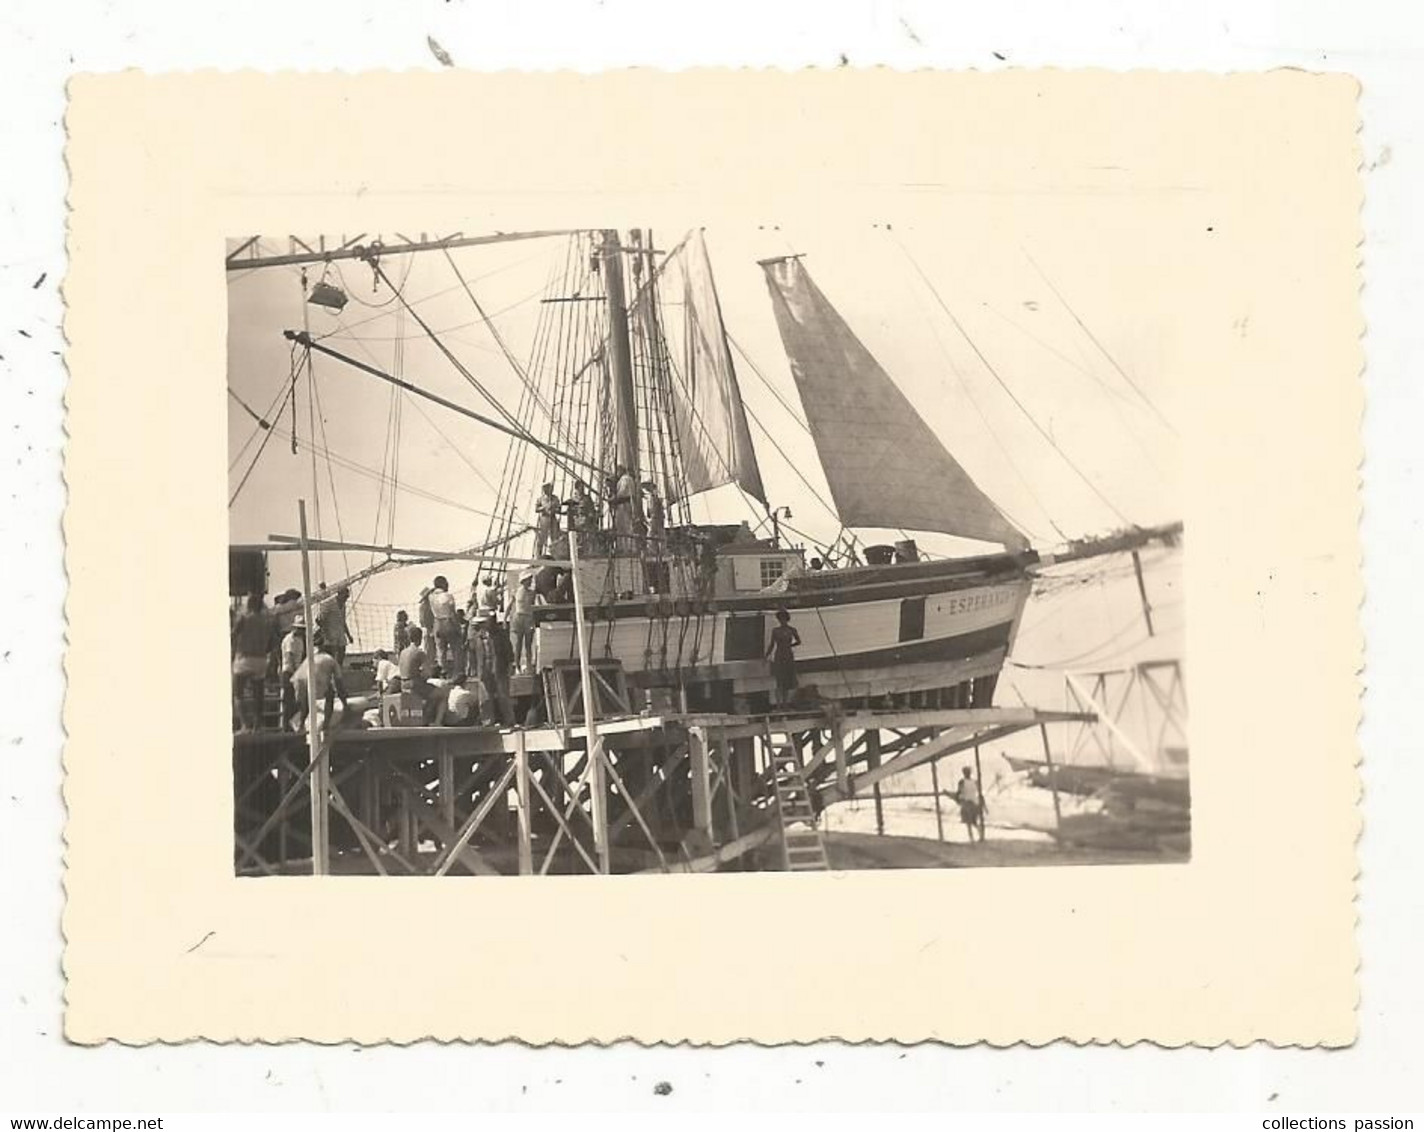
[[879, 555], [907, 551]]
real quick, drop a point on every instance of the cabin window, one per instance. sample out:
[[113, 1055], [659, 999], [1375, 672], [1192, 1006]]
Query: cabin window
[[912, 619], [745, 637], [771, 570]]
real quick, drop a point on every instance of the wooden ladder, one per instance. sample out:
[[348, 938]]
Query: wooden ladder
[[802, 847]]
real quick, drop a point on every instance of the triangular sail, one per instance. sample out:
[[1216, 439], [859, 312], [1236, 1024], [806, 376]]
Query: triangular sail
[[885, 466], [707, 403]]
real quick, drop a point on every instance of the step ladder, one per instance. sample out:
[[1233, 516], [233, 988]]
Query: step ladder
[[803, 848]]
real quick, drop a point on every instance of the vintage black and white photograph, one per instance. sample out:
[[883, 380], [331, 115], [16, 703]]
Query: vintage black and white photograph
[[621, 550]]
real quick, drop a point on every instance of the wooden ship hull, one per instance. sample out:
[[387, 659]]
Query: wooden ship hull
[[939, 636]]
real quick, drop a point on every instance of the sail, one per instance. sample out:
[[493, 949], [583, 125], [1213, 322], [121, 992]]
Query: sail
[[885, 466], [707, 404]]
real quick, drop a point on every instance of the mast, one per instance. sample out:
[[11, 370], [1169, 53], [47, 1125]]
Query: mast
[[625, 405]]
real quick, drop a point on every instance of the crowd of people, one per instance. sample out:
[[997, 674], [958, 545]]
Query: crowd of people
[[273, 644], [457, 659]]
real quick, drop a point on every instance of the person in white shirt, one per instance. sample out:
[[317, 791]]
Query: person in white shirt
[[293, 651], [386, 671]]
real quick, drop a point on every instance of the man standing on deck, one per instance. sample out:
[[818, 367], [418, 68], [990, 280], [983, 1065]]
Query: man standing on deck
[[654, 511], [318, 684], [415, 677], [625, 496], [781, 652], [971, 804], [447, 628], [521, 623], [491, 660], [286, 608], [331, 624], [426, 618], [546, 520], [583, 511], [293, 652], [253, 636], [401, 635], [486, 596]]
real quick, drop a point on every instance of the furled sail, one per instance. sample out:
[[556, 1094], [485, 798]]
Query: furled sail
[[885, 466], [711, 422]]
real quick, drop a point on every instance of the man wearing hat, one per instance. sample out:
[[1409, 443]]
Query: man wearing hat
[[293, 651], [546, 519], [286, 608]]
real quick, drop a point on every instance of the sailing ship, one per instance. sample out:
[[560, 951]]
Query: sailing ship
[[631, 381]]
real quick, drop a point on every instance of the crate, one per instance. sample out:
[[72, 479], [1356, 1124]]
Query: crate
[[402, 709]]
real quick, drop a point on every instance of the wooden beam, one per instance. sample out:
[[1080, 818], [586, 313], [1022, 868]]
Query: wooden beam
[[521, 787], [360, 252], [292, 542], [934, 749], [701, 781], [474, 820], [729, 852]]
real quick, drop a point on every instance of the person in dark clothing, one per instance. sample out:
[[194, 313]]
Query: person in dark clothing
[[331, 622], [254, 637], [401, 635], [784, 639], [971, 804], [583, 511], [493, 659]]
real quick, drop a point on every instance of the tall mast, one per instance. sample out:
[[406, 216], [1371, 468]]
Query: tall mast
[[625, 405]]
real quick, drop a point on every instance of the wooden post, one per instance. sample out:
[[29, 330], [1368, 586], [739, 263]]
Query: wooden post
[[1052, 776], [872, 755], [521, 786], [1142, 592], [447, 785], [729, 785], [625, 401], [939, 810], [838, 738], [701, 780], [979, 778], [598, 778], [321, 849]]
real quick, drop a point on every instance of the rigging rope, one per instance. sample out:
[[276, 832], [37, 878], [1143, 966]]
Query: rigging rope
[[1005, 386], [260, 449], [993, 433], [464, 371], [372, 473], [330, 476], [504, 349], [1114, 396], [1094, 339]]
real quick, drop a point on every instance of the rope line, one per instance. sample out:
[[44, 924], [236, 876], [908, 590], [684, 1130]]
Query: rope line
[[988, 365]]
